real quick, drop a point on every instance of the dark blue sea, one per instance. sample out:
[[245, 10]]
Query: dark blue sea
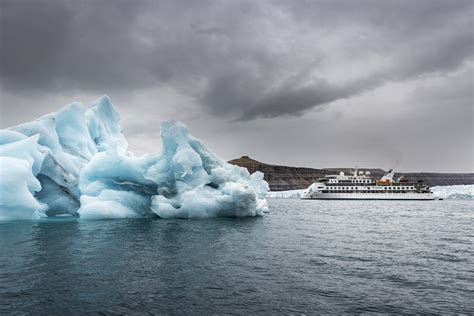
[[304, 257]]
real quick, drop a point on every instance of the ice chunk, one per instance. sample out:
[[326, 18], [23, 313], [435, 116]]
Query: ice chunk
[[454, 192], [194, 182], [7, 136], [25, 148], [73, 132], [104, 129], [289, 194], [21, 159], [68, 140], [17, 186], [76, 162], [59, 199], [112, 177], [115, 204], [186, 180]]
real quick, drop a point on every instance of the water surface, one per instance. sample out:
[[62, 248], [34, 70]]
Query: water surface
[[304, 257]]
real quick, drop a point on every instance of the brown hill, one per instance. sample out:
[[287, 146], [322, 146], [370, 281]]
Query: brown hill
[[291, 178]]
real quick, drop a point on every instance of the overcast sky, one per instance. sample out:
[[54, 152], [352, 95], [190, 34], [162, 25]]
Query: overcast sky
[[302, 83]]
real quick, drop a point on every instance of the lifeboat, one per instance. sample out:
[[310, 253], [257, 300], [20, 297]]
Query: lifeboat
[[383, 182]]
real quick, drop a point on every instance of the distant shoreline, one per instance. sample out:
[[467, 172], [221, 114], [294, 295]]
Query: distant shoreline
[[283, 178]]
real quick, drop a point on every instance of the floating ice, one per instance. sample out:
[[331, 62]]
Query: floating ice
[[20, 161], [193, 182], [288, 194], [454, 192], [76, 162]]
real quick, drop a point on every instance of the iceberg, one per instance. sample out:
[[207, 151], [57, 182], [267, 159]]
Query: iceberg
[[75, 162], [288, 194], [454, 192]]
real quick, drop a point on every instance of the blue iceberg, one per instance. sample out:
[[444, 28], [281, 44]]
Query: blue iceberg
[[76, 162]]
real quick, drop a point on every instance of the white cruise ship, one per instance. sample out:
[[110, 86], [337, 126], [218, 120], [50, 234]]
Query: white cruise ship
[[361, 186]]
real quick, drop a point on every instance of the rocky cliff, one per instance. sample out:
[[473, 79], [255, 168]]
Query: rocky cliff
[[291, 178]]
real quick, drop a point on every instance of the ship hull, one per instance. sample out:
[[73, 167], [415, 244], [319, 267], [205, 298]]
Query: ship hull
[[369, 196]]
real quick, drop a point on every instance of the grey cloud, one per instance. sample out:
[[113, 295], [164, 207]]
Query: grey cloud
[[221, 66], [57, 45], [238, 60]]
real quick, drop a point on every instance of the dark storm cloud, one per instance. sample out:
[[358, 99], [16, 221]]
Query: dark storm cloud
[[67, 44], [237, 59]]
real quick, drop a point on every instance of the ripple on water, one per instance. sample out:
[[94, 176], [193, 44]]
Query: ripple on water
[[304, 257]]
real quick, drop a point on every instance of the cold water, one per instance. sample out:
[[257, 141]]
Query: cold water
[[303, 257]]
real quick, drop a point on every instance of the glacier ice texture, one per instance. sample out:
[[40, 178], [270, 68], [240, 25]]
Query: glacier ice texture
[[76, 162], [288, 194], [454, 192]]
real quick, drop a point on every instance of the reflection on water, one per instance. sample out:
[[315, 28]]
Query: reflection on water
[[303, 257]]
